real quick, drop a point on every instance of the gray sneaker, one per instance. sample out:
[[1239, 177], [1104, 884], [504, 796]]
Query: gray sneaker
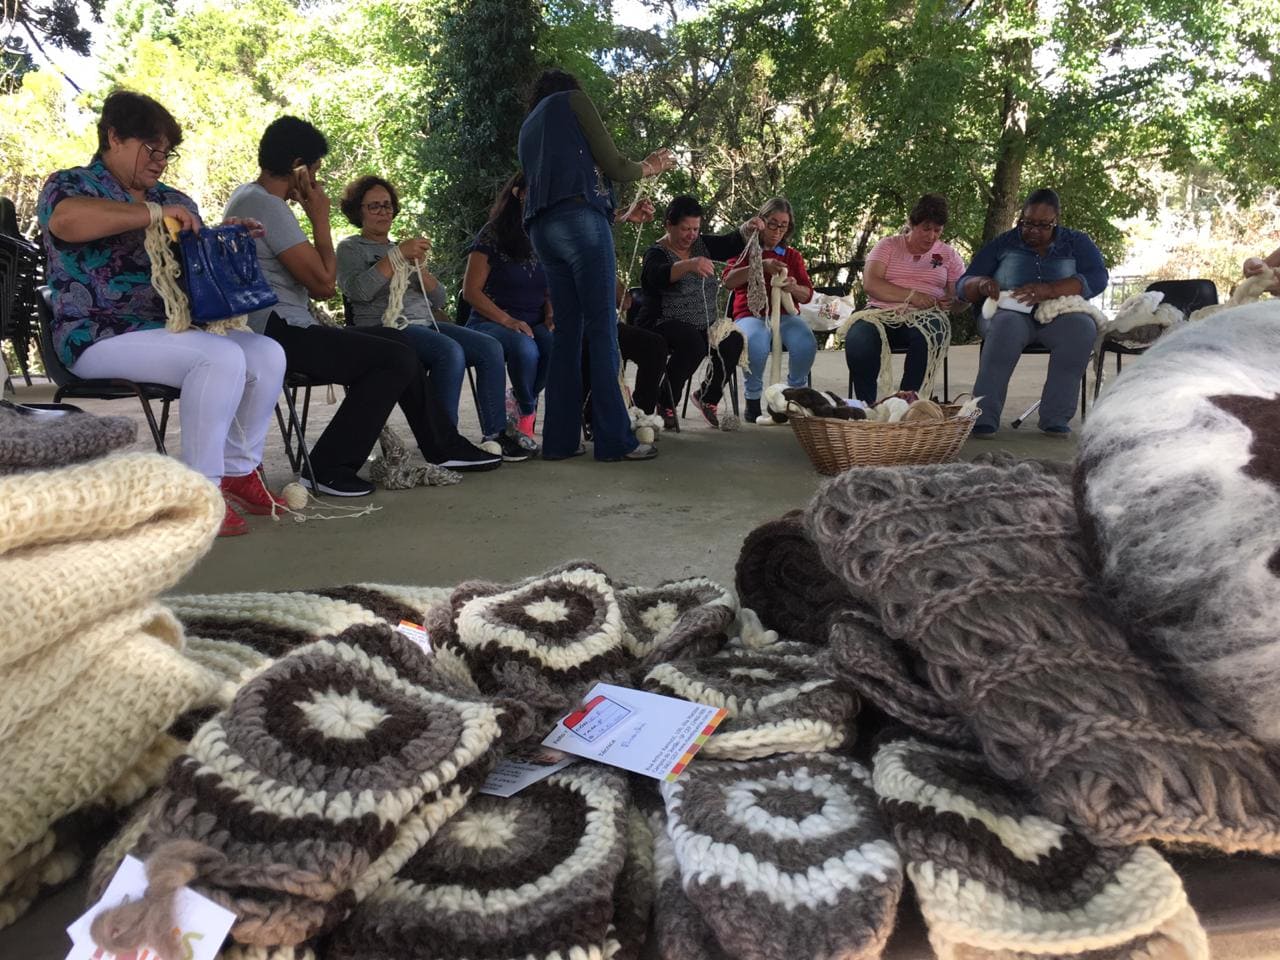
[[646, 451]]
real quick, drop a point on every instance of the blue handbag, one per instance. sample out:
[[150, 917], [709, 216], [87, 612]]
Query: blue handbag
[[222, 273]]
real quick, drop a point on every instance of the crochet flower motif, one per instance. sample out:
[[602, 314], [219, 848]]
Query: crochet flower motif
[[679, 618]]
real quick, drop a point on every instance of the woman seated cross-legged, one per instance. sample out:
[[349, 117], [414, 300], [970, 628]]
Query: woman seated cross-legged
[[377, 365], [109, 320], [797, 338], [507, 290], [915, 270], [680, 283], [371, 268]]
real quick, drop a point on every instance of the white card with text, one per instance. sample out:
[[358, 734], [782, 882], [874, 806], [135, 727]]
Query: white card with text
[[524, 767]]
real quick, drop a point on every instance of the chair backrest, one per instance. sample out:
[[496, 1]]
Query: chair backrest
[[8, 218], [464, 311], [348, 318], [1187, 295], [636, 305], [53, 365], [835, 290]]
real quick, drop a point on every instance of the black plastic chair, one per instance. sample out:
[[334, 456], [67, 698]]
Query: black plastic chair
[[1187, 295], [69, 385], [21, 272]]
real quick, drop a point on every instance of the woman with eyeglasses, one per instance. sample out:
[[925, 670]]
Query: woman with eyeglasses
[[445, 349], [109, 321], [1037, 260], [797, 337]]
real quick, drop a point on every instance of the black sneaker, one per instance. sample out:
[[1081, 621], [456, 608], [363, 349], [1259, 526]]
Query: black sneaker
[[670, 422], [753, 410], [468, 458], [516, 447], [708, 410], [337, 484]]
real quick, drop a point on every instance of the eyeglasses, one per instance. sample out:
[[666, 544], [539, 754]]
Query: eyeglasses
[[383, 207], [775, 225], [155, 153], [1037, 224]]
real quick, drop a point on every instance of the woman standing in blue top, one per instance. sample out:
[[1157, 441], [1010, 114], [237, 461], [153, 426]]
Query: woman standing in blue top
[[1037, 260], [569, 161]]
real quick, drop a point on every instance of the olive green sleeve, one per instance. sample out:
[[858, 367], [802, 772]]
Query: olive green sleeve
[[603, 150]]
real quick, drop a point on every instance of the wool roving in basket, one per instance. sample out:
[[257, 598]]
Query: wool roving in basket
[[1178, 489]]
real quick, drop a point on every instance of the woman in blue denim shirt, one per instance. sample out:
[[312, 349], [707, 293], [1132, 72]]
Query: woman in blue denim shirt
[[1038, 260]]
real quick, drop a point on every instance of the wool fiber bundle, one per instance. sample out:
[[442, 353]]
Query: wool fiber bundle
[[1178, 486]]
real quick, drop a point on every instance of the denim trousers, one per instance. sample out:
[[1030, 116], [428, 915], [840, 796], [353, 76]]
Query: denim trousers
[[797, 340], [574, 242], [447, 353], [862, 354], [528, 358], [1069, 338]]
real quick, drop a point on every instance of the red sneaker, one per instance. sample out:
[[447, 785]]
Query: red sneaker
[[250, 493], [525, 423], [232, 524]]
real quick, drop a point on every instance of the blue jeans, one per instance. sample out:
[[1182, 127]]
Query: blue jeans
[[527, 359], [1069, 338], [575, 244], [447, 353], [862, 354], [797, 340]]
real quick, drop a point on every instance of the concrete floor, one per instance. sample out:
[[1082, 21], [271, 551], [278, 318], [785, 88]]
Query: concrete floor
[[684, 513]]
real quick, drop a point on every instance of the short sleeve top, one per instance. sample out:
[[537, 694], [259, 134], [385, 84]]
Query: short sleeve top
[[518, 286]]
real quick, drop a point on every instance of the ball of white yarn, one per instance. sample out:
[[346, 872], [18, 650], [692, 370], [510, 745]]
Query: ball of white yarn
[[645, 434], [729, 422], [295, 495], [492, 446]]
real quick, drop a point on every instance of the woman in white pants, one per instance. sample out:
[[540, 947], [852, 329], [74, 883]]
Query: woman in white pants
[[109, 321]]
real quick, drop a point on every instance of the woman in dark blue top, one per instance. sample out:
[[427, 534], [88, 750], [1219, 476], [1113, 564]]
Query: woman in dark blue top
[[1038, 260], [569, 162], [507, 289]]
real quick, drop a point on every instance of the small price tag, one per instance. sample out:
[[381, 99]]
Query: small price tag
[[523, 768], [417, 633], [202, 924]]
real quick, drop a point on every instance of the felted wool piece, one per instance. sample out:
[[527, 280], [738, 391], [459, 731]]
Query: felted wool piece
[[544, 641], [330, 769], [679, 930], [997, 881], [81, 543], [1178, 487], [77, 714], [529, 876], [889, 676], [776, 702], [979, 569], [676, 619], [785, 857], [40, 439], [781, 577]]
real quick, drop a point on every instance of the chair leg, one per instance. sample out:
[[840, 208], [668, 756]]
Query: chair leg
[[946, 378], [850, 393], [1084, 394], [688, 388], [156, 434], [164, 419], [294, 428], [475, 398]]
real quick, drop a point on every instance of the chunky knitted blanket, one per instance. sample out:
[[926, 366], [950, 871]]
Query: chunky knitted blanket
[[781, 577], [677, 619], [32, 439], [328, 772], [531, 875], [783, 858], [1178, 487], [979, 570], [996, 881]]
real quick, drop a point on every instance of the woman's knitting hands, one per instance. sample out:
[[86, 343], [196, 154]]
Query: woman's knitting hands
[[415, 248], [660, 161]]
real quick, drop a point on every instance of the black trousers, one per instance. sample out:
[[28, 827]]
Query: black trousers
[[688, 348], [379, 368]]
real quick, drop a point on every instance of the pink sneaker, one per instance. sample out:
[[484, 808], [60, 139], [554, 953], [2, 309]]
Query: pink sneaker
[[525, 424]]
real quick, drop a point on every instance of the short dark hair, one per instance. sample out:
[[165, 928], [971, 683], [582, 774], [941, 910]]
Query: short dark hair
[[551, 81], [681, 207], [287, 141], [132, 114], [1043, 196], [353, 198], [931, 208]]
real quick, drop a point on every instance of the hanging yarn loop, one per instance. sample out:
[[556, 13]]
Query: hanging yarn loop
[[166, 275], [933, 323]]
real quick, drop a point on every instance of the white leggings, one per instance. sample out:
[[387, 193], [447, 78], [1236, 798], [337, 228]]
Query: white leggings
[[229, 388]]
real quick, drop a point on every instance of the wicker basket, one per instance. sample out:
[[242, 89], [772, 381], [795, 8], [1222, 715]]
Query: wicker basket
[[836, 445]]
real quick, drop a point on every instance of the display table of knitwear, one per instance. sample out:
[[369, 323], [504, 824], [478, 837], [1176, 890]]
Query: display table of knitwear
[[889, 676], [33, 439], [543, 641], [84, 542], [785, 857], [77, 714], [997, 881], [530, 876], [1178, 483], [777, 702], [676, 620], [781, 577], [330, 769], [979, 568]]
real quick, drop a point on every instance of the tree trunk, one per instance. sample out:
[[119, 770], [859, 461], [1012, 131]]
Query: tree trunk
[[1006, 182]]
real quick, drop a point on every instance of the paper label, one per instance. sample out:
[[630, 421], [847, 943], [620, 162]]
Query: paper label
[[523, 768], [1008, 301], [417, 633], [202, 924], [643, 732]]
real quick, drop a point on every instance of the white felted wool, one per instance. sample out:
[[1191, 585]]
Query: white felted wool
[[778, 701], [83, 542], [785, 857], [997, 881], [1178, 490]]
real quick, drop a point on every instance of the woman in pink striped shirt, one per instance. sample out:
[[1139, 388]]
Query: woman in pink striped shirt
[[915, 269]]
